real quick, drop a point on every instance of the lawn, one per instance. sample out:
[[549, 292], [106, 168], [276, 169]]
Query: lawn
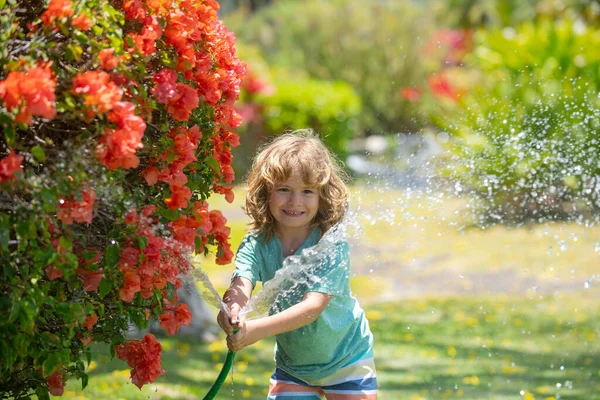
[[458, 311], [469, 348]]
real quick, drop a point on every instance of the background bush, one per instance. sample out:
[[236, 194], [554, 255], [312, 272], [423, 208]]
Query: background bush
[[526, 126], [376, 47]]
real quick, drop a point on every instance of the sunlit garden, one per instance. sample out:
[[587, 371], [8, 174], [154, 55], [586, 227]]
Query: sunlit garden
[[470, 131]]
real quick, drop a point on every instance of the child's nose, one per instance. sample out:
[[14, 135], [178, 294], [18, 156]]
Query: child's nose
[[295, 198]]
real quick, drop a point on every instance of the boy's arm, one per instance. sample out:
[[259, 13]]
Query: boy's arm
[[235, 298], [297, 316]]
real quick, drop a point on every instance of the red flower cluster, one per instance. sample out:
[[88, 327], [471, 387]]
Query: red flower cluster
[[411, 94], [149, 268], [31, 93], [82, 22], [99, 91], [221, 235], [180, 99], [440, 86], [144, 357], [118, 146], [56, 383], [222, 144], [173, 317], [9, 166], [107, 60], [185, 143], [455, 44], [71, 210], [57, 9]]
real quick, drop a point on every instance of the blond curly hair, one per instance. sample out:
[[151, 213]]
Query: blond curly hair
[[301, 151]]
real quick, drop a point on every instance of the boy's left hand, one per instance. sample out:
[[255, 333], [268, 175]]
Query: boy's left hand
[[244, 337]]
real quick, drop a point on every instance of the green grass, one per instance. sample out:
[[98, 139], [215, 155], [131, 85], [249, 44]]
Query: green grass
[[462, 348], [538, 340]]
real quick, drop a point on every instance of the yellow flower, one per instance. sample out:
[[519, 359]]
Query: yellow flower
[[374, 315], [451, 351], [471, 380], [528, 396]]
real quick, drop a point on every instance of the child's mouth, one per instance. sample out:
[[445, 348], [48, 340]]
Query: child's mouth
[[293, 213]]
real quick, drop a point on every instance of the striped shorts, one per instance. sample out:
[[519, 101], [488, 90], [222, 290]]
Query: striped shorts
[[356, 381]]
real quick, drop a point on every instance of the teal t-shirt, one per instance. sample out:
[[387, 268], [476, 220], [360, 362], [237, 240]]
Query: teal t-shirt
[[340, 335]]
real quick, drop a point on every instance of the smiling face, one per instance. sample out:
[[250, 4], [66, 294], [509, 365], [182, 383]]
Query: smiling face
[[294, 205]]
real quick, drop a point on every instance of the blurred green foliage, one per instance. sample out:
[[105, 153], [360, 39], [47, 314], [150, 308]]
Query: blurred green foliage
[[500, 13], [331, 108], [274, 100], [374, 46], [527, 127]]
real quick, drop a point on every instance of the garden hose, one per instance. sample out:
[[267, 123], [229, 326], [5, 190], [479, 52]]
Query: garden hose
[[222, 375]]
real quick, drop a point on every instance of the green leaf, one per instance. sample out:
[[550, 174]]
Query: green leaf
[[51, 364], [38, 153], [15, 311], [111, 255], [9, 135], [142, 242], [88, 355], [113, 350], [171, 215], [42, 393], [21, 344], [212, 163], [105, 287], [65, 243], [199, 244], [84, 381], [73, 52], [170, 290]]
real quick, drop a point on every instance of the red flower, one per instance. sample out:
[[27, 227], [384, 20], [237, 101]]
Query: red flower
[[180, 106], [131, 285], [57, 9], [117, 147], [98, 90], [227, 191], [224, 254], [56, 385], [91, 279], [107, 60], [144, 357], [10, 166], [90, 321], [85, 340], [168, 322], [53, 273], [411, 94], [82, 22], [71, 210], [183, 314], [441, 87], [31, 92], [179, 197]]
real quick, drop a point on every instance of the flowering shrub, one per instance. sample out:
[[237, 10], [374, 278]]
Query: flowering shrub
[[116, 121]]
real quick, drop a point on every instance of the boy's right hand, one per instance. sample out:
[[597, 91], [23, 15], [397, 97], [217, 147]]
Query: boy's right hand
[[227, 323]]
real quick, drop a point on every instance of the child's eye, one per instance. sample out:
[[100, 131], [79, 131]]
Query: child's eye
[[282, 189], [308, 191]]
